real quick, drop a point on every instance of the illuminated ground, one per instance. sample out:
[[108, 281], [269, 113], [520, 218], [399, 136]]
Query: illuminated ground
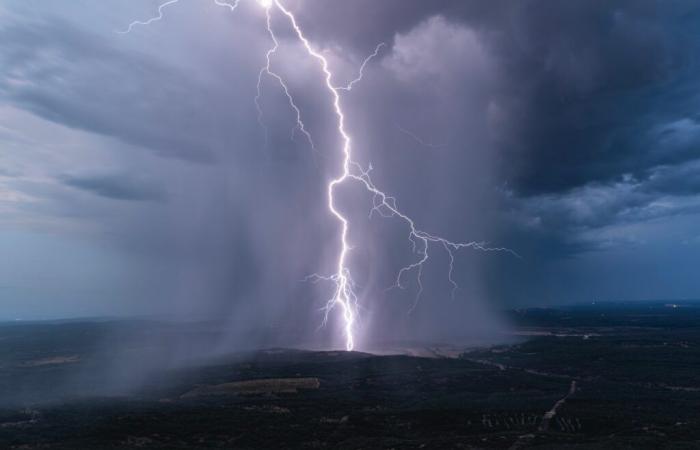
[[597, 377]]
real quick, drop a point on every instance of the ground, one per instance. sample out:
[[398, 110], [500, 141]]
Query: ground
[[601, 376]]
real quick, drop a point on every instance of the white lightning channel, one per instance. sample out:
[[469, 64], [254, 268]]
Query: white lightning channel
[[344, 293], [151, 20], [361, 72], [266, 69], [231, 7], [344, 296]]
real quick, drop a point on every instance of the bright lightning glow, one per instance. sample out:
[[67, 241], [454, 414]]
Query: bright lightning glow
[[344, 296]]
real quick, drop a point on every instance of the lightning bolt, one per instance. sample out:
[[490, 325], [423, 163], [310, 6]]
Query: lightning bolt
[[383, 204], [361, 72], [231, 7], [344, 296], [266, 69], [151, 20]]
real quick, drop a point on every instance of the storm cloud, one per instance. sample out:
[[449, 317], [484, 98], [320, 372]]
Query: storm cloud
[[567, 132]]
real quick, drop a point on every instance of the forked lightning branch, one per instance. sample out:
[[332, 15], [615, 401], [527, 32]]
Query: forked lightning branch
[[344, 296]]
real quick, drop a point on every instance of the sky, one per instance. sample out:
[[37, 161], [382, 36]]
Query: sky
[[137, 176]]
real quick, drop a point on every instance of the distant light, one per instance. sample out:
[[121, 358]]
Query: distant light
[[265, 3]]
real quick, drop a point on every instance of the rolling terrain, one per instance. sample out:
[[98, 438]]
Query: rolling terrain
[[600, 376]]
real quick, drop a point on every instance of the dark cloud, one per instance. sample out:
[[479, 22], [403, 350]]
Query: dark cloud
[[680, 180], [583, 87], [586, 81], [115, 187], [583, 94]]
